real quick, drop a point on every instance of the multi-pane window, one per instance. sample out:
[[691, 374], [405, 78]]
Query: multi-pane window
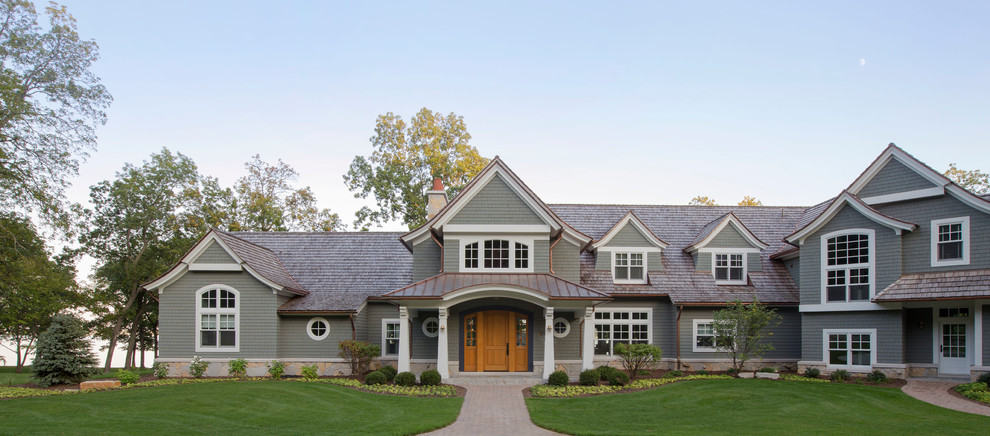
[[628, 267], [704, 336], [626, 326], [496, 254], [729, 268], [847, 268], [217, 320], [390, 337], [318, 329], [950, 239], [950, 243], [850, 349]]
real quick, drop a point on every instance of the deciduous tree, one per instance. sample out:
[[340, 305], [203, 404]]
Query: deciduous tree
[[974, 180], [404, 162], [702, 200], [741, 331], [267, 201], [750, 201]]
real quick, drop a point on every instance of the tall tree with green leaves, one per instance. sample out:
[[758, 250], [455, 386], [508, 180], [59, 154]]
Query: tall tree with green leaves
[[405, 160], [265, 200], [136, 232], [50, 105], [742, 330], [974, 180], [34, 286]]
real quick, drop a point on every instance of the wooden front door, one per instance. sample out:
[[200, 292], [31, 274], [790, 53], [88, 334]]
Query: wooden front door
[[496, 340]]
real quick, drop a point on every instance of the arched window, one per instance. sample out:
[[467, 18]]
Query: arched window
[[497, 254], [217, 318], [847, 266]]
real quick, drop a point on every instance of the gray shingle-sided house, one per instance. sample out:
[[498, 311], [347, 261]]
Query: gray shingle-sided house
[[892, 274]]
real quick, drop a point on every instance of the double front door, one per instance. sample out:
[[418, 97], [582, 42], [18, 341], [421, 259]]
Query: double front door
[[496, 340]]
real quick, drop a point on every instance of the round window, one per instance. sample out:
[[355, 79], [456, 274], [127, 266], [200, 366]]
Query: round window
[[318, 329], [561, 327], [431, 327]]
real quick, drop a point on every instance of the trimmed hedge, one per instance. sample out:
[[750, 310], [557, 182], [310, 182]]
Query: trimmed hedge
[[389, 372], [405, 378], [430, 378], [558, 378], [589, 377], [375, 378]]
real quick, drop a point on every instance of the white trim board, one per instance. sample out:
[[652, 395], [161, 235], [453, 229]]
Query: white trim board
[[898, 226], [730, 218], [630, 218]]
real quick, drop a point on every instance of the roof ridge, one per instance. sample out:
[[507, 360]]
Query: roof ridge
[[676, 205], [274, 254]]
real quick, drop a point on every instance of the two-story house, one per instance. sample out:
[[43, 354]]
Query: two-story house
[[893, 274]]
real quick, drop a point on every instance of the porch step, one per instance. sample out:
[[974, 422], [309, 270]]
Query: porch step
[[495, 378]]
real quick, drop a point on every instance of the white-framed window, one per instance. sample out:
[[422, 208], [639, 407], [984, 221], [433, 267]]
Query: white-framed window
[[390, 337], [704, 336], [850, 349], [626, 325], [500, 255], [431, 327], [628, 267], [729, 268], [848, 266], [217, 319], [950, 241], [318, 329], [561, 327]]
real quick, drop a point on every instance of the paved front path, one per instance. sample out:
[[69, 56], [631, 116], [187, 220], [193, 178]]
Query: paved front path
[[936, 392], [493, 410]]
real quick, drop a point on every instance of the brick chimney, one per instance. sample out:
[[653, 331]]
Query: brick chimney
[[436, 199]]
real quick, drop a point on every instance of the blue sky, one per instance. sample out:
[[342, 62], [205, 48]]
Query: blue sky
[[618, 102]]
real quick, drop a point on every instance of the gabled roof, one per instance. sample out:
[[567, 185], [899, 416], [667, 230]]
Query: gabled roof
[[260, 262], [713, 228], [630, 218], [893, 152], [497, 167], [439, 286], [845, 198], [942, 285]]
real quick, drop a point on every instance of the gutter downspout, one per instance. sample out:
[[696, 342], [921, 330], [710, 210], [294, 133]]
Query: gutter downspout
[[559, 237], [441, 250], [353, 330], [678, 335]]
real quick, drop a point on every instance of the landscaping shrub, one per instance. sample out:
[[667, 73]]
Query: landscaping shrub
[[127, 377], [405, 378], [768, 369], [197, 367], [358, 355], [237, 368], [618, 378], [63, 354], [389, 372], [975, 391], [558, 378], [703, 372], [429, 378], [160, 369], [605, 371], [276, 368], [877, 377], [731, 371], [638, 356], [674, 373], [310, 372], [589, 377], [375, 378], [812, 372], [984, 378], [840, 375]]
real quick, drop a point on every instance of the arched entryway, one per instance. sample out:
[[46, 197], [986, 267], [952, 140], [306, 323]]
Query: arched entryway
[[496, 339]]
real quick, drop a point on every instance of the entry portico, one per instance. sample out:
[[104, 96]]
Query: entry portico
[[492, 321]]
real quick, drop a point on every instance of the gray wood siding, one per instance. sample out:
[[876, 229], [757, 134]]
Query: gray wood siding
[[603, 260], [794, 268], [374, 313], [917, 244], [629, 236], [785, 338], [888, 323], [541, 256], [918, 335], [214, 254], [426, 260], [258, 321], [451, 255], [654, 262], [986, 336], [753, 262], [567, 347], [886, 252], [664, 325], [703, 262], [567, 261], [729, 237], [894, 178], [423, 347], [496, 203], [294, 342]]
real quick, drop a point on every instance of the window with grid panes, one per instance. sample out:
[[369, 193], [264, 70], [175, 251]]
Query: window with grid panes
[[847, 268], [630, 326]]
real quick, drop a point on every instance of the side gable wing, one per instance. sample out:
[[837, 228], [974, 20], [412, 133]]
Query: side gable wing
[[847, 199], [895, 175]]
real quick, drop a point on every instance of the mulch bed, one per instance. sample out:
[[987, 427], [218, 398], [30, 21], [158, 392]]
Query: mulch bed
[[952, 391]]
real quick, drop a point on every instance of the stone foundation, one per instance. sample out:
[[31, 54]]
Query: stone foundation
[[260, 368], [893, 372], [781, 366]]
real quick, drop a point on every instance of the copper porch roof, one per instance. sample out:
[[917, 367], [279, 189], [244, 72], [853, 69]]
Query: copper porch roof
[[553, 287], [948, 285]]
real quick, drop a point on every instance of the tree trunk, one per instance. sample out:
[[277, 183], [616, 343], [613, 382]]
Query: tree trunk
[[132, 341], [20, 362], [117, 326]]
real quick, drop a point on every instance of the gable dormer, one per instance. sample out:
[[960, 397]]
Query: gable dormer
[[629, 250], [727, 249], [895, 176]]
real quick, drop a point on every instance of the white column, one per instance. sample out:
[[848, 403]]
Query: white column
[[548, 364], [403, 339], [978, 334], [588, 340], [442, 365]]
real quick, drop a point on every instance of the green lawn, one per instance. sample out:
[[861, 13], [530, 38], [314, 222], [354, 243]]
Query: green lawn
[[9, 378], [228, 408], [722, 407]]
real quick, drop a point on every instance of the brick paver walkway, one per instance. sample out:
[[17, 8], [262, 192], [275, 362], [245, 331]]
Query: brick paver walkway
[[936, 392], [493, 410]]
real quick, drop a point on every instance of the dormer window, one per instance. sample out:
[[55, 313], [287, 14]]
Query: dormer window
[[497, 254], [628, 267], [729, 268]]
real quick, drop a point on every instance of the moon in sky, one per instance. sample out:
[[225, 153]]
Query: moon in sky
[[862, 61]]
